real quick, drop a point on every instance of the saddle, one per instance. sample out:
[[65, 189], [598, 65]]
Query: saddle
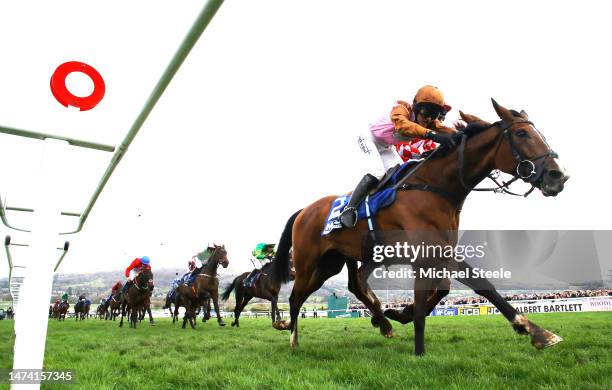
[[250, 282], [382, 196]]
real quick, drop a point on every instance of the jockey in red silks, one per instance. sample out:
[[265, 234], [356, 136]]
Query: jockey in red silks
[[411, 123], [118, 286], [137, 265]]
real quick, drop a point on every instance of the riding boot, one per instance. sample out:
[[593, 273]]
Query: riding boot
[[248, 281], [348, 217], [193, 275]]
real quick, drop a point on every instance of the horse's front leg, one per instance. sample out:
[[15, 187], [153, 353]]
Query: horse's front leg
[[215, 298], [540, 338], [122, 309]]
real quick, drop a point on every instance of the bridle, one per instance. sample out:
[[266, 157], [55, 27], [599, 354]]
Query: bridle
[[533, 165], [209, 260], [136, 283]]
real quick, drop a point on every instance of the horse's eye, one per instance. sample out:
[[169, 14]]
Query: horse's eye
[[522, 133]]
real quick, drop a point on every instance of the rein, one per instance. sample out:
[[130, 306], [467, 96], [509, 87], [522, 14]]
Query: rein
[[137, 286]]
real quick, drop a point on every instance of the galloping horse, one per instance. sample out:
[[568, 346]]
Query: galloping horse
[[81, 309], [60, 310], [102, 310], [431, 200], [115, 305], [265, 288], [138, 292], [205, 286]]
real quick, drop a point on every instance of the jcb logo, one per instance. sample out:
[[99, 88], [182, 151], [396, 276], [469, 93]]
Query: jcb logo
[[470, 311]]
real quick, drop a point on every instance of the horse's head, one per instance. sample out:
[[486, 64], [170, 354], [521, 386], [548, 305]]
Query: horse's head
[[144, 279], [219, 256], [524, 153]]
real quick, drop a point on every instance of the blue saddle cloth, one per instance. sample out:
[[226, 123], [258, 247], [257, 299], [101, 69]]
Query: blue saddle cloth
[[373, 203]]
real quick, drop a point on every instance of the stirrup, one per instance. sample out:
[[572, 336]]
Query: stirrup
[[345, 212]]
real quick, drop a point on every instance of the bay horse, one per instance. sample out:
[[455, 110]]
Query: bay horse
[[81, 309], [60, 310], [138, 292], [115, 305], [265, 287], [205, 286], [431, 201], [102, 310]]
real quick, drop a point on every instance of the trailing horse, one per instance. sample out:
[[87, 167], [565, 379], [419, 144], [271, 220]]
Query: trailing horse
[[102, 310], [265, 287], [206, 286], [138, 292], [430, 200], [81, 309], [115, 305], [60, 310]]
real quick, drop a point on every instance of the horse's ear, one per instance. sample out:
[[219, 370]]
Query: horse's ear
[[469, 118], [524, 115], [503, 113]]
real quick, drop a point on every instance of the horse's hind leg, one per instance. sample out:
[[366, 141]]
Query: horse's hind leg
[[312, 278], [362, 291], [407, 315], [540, 338], [423, 288], [240, 305]]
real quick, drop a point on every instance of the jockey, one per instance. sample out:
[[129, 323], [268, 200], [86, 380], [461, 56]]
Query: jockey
[[118, 286], [264, 253], [194, 265], [65, 297], [406, 122], [137, 265]]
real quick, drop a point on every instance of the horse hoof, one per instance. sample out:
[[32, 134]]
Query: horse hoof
[[544, 339], [281, 325], [221, 323]]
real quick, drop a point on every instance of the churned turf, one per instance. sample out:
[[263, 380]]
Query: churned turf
[[462, 352]]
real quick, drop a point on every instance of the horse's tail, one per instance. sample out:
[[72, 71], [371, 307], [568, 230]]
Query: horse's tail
[[229, 288], [280, 264]]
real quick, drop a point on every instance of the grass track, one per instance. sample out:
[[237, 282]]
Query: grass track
[[462, 352]]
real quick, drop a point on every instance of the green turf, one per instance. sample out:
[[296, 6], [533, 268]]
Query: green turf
[[462, 352]]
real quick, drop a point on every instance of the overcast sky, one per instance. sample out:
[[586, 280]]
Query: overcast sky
[[262, 117]]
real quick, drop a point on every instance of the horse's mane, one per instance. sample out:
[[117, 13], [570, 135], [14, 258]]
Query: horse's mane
[[478, 126], [473, 128]]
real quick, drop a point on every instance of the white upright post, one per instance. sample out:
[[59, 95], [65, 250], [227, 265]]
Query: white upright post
[[32, 317]]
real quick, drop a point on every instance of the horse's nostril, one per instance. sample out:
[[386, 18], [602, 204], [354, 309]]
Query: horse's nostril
[[554, 174]]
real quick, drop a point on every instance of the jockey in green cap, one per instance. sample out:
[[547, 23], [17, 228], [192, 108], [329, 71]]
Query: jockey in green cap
[[264, 253]]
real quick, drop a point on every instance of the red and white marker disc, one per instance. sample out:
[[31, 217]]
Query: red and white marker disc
[[65, 97]]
